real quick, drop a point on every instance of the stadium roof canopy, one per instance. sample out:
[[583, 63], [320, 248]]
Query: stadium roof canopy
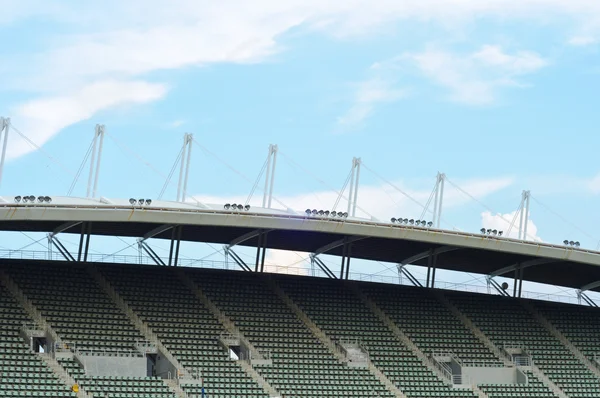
[[288, 230]]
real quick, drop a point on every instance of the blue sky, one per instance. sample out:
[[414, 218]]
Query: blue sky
[[499, 95]]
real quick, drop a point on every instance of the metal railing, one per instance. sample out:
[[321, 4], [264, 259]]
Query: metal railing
[[302, 271]]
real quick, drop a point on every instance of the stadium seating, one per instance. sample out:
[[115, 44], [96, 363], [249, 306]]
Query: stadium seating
[[22, 373], [302, 366], [578, 323], [509, 322], [428, 323], [184, 325], [341, 315], [82, 315]]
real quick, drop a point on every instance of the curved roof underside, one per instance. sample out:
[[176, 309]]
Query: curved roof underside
[[288, 230]]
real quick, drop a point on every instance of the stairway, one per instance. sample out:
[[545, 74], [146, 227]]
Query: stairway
[[39, 319], [176, 388], [143, 327], [561, 337], [325, 340], [231, 328]]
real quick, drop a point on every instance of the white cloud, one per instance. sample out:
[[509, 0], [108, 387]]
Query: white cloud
[[502, 222], [113, 40], [286, 262], [41, 119], [582, 41], [594, 184], [368, 94], [476, 78]]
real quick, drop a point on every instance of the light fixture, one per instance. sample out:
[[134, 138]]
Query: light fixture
[[40, 199], [148, 202], [132, 201], [500, 233], [411, 221], [495, 232], [320, 212], [141, 202], [489, 231], [572, 243], [423, 223], [566, 242], [47, 199], [227, 206], [247, 207], [327, 213], [240, 207], [31, 198], [577, 244], [314, 212], [429, 224], [393, 220], [25, 199], [482, 230], [17, 199], [405, 221], [345, 214], [333, 213]]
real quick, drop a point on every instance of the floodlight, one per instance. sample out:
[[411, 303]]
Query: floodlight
[[227, 206], [429, 224], [504, 285], [247, 207], [327, 213], [482, 230], [345, 215], [494, 232], [423, 223], [25, 199], [393, 220], [32, 198], [148, 202], [489, 231], [307, 211], [141, 202], [234, 206], [40, 199], [411, 221], [500, 233], [577, 244], [572, 243], [17, 199], [405, 221], [314, 212], [333, 213], [240, 207], [132, 201], [566, 242], [321, 212], [47, 199]]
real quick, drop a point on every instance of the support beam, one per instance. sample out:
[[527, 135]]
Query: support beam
[[316, 260], [150, 252], [61, 248], [64, 227], [238, 260], [95, 161], [354, 182], [178, 234], [524, 215], [403, 271], [184, 170], [88, 234], [589, 286], [491, 282], [523, 265], [438, 199], [247, 236], [582, 296], [337, 243], [157, 231], [270, 176], [427, 253], [4, 129]]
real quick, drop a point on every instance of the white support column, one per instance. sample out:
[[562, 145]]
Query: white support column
[[525, 213], [4, 126], [181, 169], [355, 199], [92, 163], [351, 192], [436, 199], [275, 149], [189, 140], [267, 178], [98, 161], [442, 179]]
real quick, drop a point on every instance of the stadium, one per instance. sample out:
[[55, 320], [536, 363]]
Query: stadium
[[75, 325]]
